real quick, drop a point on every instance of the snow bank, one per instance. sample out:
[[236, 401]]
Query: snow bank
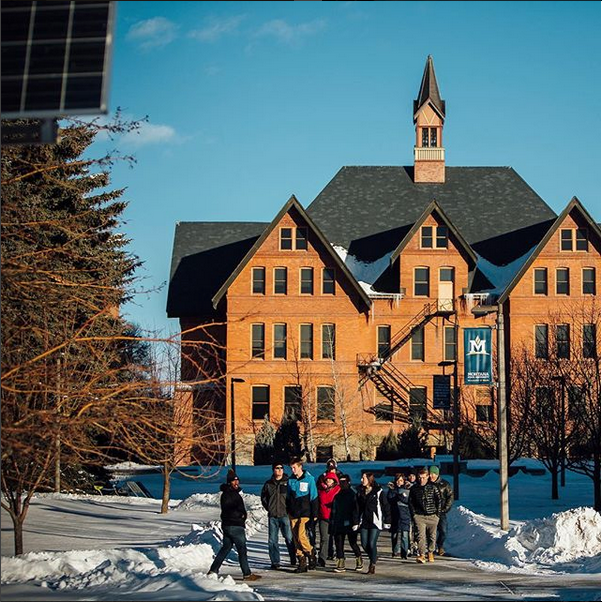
[[566, 542]]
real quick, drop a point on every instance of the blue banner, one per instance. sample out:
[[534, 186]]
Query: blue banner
[[477, 356]]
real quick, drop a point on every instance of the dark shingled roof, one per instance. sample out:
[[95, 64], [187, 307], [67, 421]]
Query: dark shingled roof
[[368, 210], [429, 90], [204, 255]]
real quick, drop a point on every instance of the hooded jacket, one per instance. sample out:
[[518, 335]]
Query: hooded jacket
[[234, 513], [273, 496], [345, 511], [375, 511], [326, 496]]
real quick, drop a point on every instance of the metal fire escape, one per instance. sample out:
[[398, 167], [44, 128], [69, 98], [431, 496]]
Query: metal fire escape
[[389, 381]]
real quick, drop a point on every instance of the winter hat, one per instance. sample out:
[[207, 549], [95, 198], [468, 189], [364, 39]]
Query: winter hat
[[331, 475], [332, 464], [231, 476], [434, 470]]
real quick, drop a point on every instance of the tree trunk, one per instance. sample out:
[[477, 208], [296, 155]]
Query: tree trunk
[[166, 490], [555, 483], [18, 526]]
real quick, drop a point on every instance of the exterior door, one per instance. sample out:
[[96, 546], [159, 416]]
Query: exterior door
[[445, 298]]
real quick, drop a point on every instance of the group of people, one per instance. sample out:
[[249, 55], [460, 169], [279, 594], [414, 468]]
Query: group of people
[[412, 508]]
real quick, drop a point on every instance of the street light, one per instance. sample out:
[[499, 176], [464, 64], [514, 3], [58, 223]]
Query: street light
[[232, 423]]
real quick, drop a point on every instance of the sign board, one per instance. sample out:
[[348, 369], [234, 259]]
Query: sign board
[[441, 392], [477, 356]]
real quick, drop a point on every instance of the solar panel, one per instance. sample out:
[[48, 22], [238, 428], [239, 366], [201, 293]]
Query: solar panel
[[55, 57]]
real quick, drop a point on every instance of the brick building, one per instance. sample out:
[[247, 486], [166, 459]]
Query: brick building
[[348, 314]]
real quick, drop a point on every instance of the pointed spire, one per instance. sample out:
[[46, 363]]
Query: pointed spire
[[429, 90]]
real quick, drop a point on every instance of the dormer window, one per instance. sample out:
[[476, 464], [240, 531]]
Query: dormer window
[[573, 239], [293, 239], [439, 236]]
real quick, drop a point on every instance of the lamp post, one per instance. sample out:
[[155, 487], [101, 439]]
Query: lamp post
[[561, 380], [232, 422]]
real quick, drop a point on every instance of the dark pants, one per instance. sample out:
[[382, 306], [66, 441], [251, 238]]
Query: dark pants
[[400, 542], [339, 542], [441, 530], [233, 536], [369, 538], [282, 525]]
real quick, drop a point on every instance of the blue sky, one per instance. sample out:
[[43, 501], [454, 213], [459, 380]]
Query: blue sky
[[250, 102]]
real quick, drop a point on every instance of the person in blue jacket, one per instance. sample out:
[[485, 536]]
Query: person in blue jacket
[[401, 519], [302, 507]]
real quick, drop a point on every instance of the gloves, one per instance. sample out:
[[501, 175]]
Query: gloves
[[355, 527]]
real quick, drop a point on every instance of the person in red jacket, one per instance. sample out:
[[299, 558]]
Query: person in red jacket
[[327, 490]]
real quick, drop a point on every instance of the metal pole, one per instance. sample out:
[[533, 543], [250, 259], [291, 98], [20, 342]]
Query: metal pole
[[502, 422], [232, 425], [563, 433], [456, 422]]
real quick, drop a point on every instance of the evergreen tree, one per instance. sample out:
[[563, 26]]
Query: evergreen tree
[[412, 441], [287, 442], [388, 449], [264, 443], [65, 273]]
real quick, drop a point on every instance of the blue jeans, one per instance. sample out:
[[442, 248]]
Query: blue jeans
[[280, 525], [369, 539], [441, 530], [233, 536], [400, 542]]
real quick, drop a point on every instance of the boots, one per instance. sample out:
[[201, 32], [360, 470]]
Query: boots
[[421, 559], [359, 563], [431, 557], [301, 565], [312, 561], [371, 569], [340, 567]]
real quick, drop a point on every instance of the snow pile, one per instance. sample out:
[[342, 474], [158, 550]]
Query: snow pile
[[564, 542]]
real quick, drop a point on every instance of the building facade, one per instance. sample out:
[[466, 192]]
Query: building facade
[[348, 316]]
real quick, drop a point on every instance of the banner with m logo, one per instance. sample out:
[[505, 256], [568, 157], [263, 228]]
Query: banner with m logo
[[477, 356]]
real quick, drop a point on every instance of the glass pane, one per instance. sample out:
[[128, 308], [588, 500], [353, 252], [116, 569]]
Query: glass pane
[[301, 242]]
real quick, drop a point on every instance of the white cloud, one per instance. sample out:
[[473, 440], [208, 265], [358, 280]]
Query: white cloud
[[290, 34], [217, 28], [152, 33], [149, 133]]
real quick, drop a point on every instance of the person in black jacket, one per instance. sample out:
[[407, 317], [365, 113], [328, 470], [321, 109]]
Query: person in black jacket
[[401, 520], [425, 505], [447, 500], [273, 499], [375, 515], [234, 515], [343, 517]]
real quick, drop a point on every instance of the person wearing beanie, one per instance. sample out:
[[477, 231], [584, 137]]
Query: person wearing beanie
[[273, 499], [331, 466], [447, 500], [233, 515], [425, 505], [327, 490]]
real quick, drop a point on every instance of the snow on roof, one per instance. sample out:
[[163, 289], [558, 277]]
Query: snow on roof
[[501, 275]]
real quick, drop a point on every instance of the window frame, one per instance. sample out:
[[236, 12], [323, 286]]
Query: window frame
[[330, 348], [257, 353], [568, 282], [589, 346], [290, 238], [279, 344], [320, 417], [325, 281], [536, 281], [412, 405], [276, 281], [298, 240], [566, 239], [592, 281], [380, 345], [444, 235], [303, 355], [255, 403], [447, 344], [563, 344], [538, 341], [421, 282], [310, 270], [292, 409], [424, 236], [417, 345], [255, 270]]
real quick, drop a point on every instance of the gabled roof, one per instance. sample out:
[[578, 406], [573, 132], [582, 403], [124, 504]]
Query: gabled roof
[[575, 203], [431, 207], [292, 202], [429, 90]]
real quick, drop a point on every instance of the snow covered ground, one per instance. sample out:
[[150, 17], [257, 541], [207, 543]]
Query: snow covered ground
[[118, 548]]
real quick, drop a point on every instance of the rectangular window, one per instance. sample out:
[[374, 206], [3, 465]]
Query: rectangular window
[[258, 341], [563, 344], [426, 237], [280, 281], [581, 239], [433, 137], [307, 281], [261, 402], [589, 341], [566, 240], [541, 341], [442, 237], [425, 137], [589, 281], [301, 239], [280, 341], [418, 403], [485, 413], [307, 341], [449, 354], [540, 281], [446, 274], [292, 402], [562, 281], [326, 403], [421, 282], [259, 281], [286, 239], [328, 342], [328, 281], [384, 341], [418, 345], [383, 410], [576, 402]]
